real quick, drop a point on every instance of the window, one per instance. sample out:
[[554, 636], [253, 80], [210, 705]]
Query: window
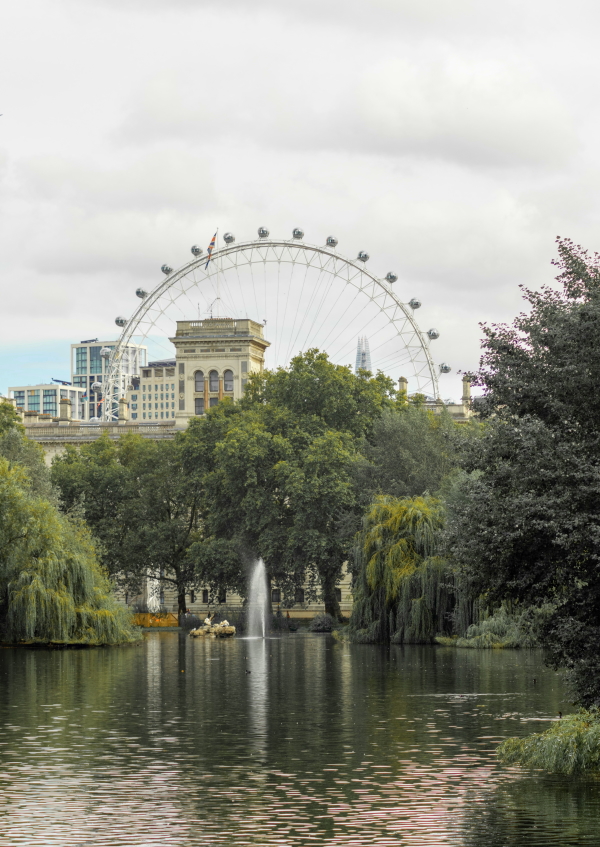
[[299, 595], [49, 407], [33, 401], [213, 401], [192, 596], [158, 372], [95, 360], [20, 398], [134, 396], [222, 598], [199, 406], [181, 367], [81, 360], [156, 405], [205, 595], [146, 374], [199, 381], [244, 367], [213, 381], [134, 405], [338, 595], [276, 595], [162, 597], [228, 380], [170, 372], [134, 416], [79, 380], [144, 416]]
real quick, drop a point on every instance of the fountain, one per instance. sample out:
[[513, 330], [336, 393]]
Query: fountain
[[258, 601]]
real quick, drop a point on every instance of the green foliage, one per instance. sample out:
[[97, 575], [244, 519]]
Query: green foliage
[[409, 451], [275, 489], [500, 630], [9, 418], [51, 586], [571, 746], [322, 623], [141, 507], [312, 387], [403, 593], [526, 527], [21, 451]]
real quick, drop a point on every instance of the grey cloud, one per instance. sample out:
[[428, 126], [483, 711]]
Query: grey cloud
[[473, 113]]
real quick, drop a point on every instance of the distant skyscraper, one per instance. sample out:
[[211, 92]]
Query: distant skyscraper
[[363, 355]]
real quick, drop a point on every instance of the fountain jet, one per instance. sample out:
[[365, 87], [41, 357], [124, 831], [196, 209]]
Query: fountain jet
[[258, 601]]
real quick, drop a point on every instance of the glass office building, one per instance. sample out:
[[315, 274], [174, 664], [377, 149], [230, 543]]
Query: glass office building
[[88, 367]]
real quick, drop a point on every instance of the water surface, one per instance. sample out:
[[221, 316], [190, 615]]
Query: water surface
[[174, 743]]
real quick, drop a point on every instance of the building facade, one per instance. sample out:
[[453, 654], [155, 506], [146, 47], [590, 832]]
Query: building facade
[[88, 366], [45, 399], [214, 358]]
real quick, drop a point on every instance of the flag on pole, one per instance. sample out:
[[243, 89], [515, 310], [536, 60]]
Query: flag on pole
[[211, 247]]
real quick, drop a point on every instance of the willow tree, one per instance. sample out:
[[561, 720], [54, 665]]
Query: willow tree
[[52, 589], [404, 592]]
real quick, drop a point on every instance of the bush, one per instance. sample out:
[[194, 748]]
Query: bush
[[570, 746], [501, 630], [322, 623]]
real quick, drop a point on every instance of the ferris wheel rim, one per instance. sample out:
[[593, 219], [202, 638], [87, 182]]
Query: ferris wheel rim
[[302, 248]]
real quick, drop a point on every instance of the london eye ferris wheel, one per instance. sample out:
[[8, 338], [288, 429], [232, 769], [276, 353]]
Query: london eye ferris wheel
[[306, 295]]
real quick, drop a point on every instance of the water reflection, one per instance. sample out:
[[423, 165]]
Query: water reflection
[[173, 743]]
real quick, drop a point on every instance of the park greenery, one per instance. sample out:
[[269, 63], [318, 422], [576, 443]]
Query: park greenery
[[482, 534], [52, 587]]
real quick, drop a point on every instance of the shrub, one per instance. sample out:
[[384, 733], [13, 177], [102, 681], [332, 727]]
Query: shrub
[[570, 746], [322, 623]]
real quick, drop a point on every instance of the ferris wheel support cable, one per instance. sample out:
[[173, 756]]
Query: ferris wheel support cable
[[325, 292], [287, 298], [299, 301], [293, 344]]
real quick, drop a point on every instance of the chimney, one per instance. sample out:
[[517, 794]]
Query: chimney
[[64, 418], [123, 410], [466, 398]]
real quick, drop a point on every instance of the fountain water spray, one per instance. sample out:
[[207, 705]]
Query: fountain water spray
[[258, 601]]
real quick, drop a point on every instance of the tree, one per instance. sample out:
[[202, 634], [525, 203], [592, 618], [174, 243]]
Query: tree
[[404, 591], [9, 418], [527, 526], [52, 588], [314, 388], [141, 507], [275, 490]]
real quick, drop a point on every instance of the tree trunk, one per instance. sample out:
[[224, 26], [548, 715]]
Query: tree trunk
[[181, 607], [332, 606]]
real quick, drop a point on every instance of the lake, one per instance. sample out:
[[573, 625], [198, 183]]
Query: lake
[[295, 740]]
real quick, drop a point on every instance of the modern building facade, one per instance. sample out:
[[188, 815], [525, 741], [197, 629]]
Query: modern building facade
[[363, 355], [88, 366], [45, 399], [151, 396]]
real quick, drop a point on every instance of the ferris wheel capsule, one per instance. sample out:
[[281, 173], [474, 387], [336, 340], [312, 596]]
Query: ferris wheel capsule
[[141, 293], [444, 368], [263, 232], [229, 238], [97, 387], [362, 256], [332, 241], [433, 334], [120, 321], [414, 303], [298, 234], [196, 251], [166, 269], [391, 277], [105, 353]]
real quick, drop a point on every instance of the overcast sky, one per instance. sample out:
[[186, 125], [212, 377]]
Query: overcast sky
[[452, 139]]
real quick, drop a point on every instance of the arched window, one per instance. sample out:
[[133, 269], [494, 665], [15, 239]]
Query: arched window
[[228, 380], [213, 381], [199, 381]]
